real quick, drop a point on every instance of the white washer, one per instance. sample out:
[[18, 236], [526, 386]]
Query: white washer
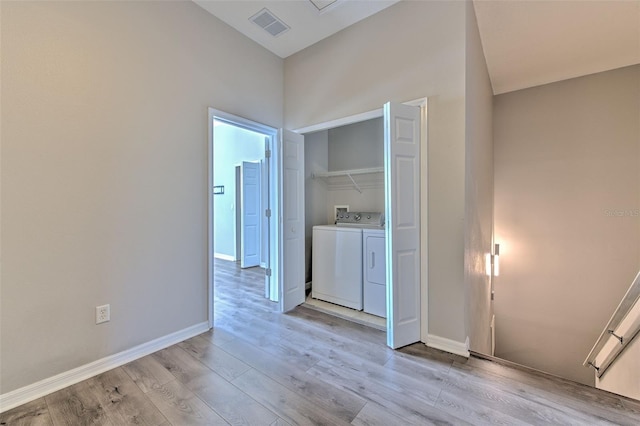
[[374, 272], [337, 265]]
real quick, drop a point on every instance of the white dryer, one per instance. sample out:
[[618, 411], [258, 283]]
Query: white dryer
[[374, 272]]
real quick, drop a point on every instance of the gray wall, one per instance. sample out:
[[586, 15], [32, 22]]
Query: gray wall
[[357, 145], [478, 189], [566, 159], [364, 66], [232, 145], [104, 172]]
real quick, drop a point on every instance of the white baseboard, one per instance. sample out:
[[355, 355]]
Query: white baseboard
[[448, 345], [224, 257], [44, 387]]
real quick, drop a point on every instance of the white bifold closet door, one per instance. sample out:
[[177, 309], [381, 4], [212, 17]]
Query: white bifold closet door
[[291, 162], [402, 214]]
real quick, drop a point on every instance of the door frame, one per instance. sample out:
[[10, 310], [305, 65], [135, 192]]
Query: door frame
[[424, 254], [272, 134]]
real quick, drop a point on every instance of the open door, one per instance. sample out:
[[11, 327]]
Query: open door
[[250, 215], [291, 159], [402, 211]]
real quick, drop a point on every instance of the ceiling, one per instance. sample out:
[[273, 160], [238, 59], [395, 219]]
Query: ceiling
[[308, 25], [526, 42], [529, 43]]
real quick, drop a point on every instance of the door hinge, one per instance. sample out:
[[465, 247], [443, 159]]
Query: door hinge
[[267, 153], [267, 212], [268, 272]]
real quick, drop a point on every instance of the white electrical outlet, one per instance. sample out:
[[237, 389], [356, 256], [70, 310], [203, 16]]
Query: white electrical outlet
[[103, 313]]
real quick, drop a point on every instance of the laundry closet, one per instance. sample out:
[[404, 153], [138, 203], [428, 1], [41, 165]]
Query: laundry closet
[[344, 221]]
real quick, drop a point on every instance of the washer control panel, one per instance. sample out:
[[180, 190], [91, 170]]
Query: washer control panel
[[360, 219]]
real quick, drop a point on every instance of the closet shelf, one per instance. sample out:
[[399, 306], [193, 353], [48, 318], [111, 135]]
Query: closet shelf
[[349, 174]]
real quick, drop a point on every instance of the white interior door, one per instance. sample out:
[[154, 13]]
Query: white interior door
[[402, 211], [291, 156], [250, 217]]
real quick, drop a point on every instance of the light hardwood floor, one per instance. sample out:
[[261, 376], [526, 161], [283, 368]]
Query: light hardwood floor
[[264, 368]]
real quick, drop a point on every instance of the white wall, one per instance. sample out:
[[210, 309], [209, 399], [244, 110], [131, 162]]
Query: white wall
[[232, 145], [623, 376], [104, 171], [408, 51], [478, 189], [566, 156]]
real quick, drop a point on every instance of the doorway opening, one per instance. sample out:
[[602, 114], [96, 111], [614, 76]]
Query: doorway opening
[[241, 195]]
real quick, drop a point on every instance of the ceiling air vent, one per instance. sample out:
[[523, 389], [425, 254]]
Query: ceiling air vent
[[269, 22]]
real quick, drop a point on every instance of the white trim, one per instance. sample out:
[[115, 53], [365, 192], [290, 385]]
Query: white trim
[[424, 217], [210, 222], [356, 118], [60, 381], [447, 345], [224, 257]]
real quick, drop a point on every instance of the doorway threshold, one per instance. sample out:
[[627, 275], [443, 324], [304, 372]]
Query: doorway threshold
[[345, 313]]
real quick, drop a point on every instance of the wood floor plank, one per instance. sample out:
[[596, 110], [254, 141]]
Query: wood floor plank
[[232, 404], [182, 407], [631, 405], [280, 422], [292, 355], [544, 390], [561, 386], [147, 373], [421, 351], [123, 401], [285, 403], [213, 357], [373, 414], [422, 369], [315, 339], [218, 336], [180, 364], [343, 404], [403, 404], [334, 324], [34, 413], [520, 404], [268, 328], [77, 405], [425, 389], [474, 413]]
